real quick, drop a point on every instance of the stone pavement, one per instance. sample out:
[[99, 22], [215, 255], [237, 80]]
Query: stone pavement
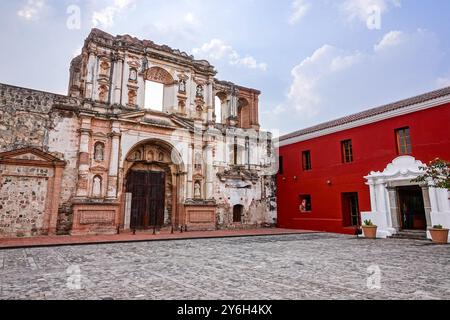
[[139, 237], [299, 266]]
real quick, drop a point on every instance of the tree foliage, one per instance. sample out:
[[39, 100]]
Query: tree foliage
[[438, 172]]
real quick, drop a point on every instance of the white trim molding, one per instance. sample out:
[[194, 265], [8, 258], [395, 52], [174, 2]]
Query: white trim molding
[[368, 120]]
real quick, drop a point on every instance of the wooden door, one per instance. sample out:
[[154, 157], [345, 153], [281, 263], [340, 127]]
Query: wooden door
[[148, 195]]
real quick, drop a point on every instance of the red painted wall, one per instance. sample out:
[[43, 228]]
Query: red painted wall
[[374, 146]]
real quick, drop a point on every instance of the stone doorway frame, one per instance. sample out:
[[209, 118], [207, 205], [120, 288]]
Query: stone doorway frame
[[384, 198], [175, 174], [396, 215]]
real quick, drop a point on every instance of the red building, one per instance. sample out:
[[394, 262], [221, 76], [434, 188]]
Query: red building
[[334, 175]]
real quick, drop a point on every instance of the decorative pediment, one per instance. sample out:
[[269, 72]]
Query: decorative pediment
[[157, 119], [30, 157], [404, 167]]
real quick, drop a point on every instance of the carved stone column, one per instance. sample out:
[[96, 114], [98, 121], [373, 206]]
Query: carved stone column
[[114, 161], [84, 163], [373, 197], [209, 172], [89, 90], [395, 213], [427, 205], [118, 78], [190, 173]]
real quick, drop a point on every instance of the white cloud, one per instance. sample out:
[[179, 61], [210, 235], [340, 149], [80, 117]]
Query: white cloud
[[106, 16], [363, 9], [175, 27], [299, 9], [443, 82], [331, 79], [77, 52], [304, 94], [391, 39], [32, 10], [217, 49]]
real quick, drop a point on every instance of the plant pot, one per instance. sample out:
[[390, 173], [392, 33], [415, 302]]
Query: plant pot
[[439, 236], [370, 232]]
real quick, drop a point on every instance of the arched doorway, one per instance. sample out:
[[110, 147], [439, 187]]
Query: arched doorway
[[152, 186], [238, 211]]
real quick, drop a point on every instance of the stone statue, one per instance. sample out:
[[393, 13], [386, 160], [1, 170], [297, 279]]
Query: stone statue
[[197, 190], [133, 75], [144, 64], [97, 187], [182, 86], [200, 91], [99, 152]]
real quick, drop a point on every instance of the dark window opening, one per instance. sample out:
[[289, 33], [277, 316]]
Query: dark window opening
[[280, 165], [347, 151], [350, 208], [306, 159], [305, 203]]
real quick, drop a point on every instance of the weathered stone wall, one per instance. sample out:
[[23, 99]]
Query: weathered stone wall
[[30, 118], [64, 143], [22, 205]]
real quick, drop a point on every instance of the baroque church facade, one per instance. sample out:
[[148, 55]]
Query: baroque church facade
[[101, 159]]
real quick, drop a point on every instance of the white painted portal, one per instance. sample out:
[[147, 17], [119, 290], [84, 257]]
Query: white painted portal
[[383, 197]]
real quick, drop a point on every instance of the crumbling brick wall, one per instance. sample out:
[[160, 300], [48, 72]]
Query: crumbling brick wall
[[30, 118]]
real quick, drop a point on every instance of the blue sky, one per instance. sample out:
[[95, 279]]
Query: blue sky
[[313, 60]]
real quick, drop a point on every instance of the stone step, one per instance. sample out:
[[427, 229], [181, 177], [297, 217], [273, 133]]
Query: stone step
[[410, 234]]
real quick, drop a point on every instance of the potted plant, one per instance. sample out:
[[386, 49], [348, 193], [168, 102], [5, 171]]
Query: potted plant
[[439, 234], [370, 230]]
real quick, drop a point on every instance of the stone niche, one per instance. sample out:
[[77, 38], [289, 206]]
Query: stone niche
[[30, 184]]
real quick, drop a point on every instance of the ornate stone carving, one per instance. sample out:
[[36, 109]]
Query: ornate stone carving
[[132, 97], [159, 75]]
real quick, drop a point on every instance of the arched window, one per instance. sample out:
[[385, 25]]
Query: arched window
[[158, 85], [238, 211]]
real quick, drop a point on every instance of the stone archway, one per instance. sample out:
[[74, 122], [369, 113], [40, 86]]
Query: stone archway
[[152, 186]]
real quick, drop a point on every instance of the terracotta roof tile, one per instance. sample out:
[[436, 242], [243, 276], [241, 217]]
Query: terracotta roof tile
[[370, 113]]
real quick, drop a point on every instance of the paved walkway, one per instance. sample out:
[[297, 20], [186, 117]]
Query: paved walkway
[[297, 266], [49, 241]]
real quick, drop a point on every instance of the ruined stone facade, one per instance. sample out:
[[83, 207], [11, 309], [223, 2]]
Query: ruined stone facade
[[101, 159]]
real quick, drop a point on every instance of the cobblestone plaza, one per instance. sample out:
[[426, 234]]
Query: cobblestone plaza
[[309, 266]]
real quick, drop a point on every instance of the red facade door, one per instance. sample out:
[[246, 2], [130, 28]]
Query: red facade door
[[148, 195]]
